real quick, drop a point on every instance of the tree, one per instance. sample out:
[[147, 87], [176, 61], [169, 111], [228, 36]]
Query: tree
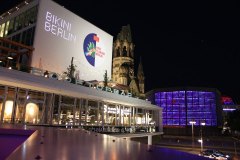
[[70, 71], [105, 82]]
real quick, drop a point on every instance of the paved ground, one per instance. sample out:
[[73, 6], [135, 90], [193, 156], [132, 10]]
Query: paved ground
[[10, 139], [8, 143], [184, 143], [51, 143]]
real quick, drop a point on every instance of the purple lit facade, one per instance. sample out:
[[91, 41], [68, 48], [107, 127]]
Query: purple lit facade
[[182, 106]]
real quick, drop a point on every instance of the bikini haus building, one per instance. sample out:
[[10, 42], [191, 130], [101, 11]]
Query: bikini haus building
[[40, 42]]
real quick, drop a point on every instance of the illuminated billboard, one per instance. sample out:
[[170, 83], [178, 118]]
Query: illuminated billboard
[[61, 35]]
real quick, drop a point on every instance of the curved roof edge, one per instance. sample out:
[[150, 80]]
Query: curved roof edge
[[29, 81]]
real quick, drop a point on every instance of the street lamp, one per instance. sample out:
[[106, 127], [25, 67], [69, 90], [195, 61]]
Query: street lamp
[[201, 140], [192, 123], [235, 147]]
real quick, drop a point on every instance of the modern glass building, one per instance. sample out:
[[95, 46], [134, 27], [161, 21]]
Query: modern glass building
[[19, 25], [182, 105]]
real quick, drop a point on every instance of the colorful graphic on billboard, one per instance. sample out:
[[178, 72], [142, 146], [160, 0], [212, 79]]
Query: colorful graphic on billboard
[[89, 47], [92, 50], [61, 36]]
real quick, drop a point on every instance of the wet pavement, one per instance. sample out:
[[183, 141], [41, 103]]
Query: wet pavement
[[50, 143], [227, 145]]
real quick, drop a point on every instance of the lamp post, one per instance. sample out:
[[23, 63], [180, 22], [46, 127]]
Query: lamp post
[[192, 123], [235, 145], [201, 140]]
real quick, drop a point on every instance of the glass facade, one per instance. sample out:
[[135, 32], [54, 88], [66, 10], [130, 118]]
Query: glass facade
[[19, 105], [181, 107], [21, 28]]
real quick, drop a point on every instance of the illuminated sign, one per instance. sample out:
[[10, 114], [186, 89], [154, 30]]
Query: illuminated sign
[[227, 100], [117, 110], [59, 27], [112, 90]]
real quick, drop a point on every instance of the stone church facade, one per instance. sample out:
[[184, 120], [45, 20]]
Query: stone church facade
[[123, 73]]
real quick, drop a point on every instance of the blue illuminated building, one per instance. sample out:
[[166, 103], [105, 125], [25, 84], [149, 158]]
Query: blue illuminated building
[[182, 105]]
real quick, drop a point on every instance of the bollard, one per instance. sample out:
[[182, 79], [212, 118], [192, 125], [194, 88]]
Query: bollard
[[149, 142]]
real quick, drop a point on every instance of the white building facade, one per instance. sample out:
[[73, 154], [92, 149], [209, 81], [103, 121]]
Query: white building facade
[[29, 99]]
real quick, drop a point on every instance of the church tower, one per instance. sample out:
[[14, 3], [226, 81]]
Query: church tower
[[123, 57], [140, 76], [123, 64]]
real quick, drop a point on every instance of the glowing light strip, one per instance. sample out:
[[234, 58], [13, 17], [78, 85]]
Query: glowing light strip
[[229, 109]]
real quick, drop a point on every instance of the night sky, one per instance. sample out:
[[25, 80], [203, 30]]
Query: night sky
[[182, 43]]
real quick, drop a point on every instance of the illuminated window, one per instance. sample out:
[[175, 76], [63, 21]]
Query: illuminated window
[[2, 30], [7, 111], [31, 113], [6, 29]]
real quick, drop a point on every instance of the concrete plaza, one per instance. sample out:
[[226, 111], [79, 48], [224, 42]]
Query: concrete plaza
[[50, 143]]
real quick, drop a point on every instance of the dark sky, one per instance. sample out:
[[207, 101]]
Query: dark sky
[[182, 43]]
